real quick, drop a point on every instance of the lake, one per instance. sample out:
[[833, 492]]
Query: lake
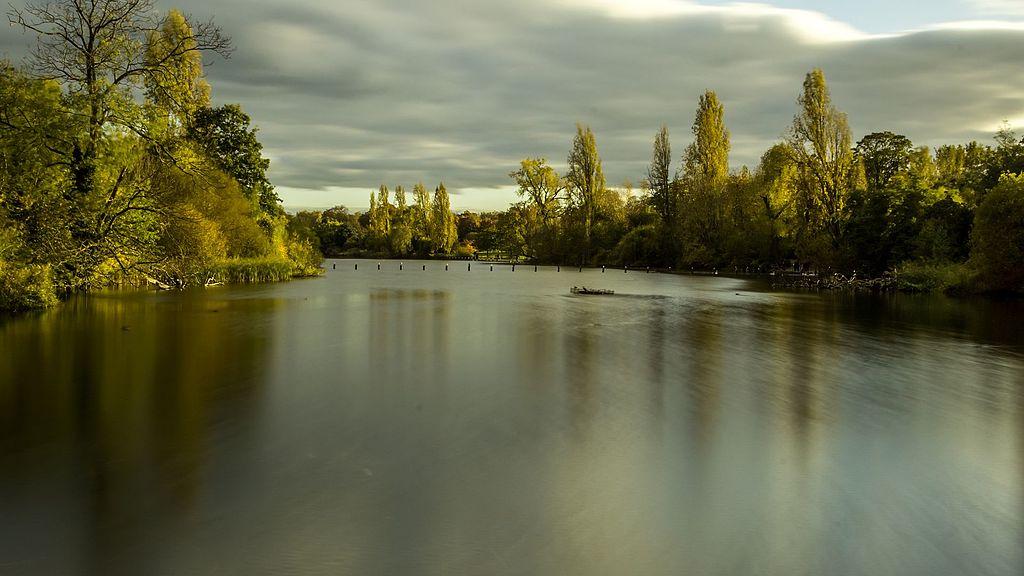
[[478, 422]]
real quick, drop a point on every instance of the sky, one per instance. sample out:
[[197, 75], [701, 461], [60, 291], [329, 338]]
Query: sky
[[352, 94]]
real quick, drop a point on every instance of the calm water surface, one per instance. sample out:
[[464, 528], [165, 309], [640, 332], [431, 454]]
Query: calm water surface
[[488, 423]]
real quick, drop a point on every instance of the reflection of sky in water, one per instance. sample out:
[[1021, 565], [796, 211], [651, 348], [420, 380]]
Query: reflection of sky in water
[[489, 423]]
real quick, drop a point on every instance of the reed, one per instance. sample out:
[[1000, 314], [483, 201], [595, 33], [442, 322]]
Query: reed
[[252, 270]]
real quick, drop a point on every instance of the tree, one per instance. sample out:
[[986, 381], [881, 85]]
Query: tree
[[945, 231], [467, 224], [659, 179], [884, 155], [820, 143], [177, 87], [421, 224], [226, 135], [705, 174], [708, 157], [539, 182], [998, 237], [964, 169], [777, 184], [380, 214], [541, 185], [445, 233], [400, 205], [96, 50], [584, 182]]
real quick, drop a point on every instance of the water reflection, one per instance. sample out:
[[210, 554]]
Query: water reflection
[[488, 423], [114, 401]]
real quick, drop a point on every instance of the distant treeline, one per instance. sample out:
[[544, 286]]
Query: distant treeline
[[114, 167], [949, 219]]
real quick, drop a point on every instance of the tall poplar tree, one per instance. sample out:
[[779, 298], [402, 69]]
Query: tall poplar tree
[[445, 232], [585, 182], [820, 142], [706, 171], [659, 177]]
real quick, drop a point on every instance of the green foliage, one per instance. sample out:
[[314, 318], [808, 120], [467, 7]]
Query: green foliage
[[659, 179], [543, 189], [304, 258], [226, 136], [704, 177], [251, 270], [884, 155], [945, 231], [936, 276], [113, 168], [820, 144], [584, 183], [998, 237], [176, 85], [639, 247], [98, 186], [444, 233], [25, 287]]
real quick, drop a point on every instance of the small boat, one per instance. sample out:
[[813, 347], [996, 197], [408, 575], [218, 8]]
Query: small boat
[[584, 291]]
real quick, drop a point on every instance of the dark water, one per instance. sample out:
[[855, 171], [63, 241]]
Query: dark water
[[487, 423]]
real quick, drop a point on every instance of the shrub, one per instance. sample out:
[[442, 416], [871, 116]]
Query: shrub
[[25, 287], [305, 259], [465, 250], [947, 277]]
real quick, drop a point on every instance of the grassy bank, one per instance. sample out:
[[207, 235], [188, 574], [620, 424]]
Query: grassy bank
[[258, 270], [939, 277], [24, 288]]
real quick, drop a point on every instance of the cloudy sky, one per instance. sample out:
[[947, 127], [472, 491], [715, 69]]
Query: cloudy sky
[[350, 94]]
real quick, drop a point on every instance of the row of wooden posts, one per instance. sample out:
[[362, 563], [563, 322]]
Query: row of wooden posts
[[469, 267]]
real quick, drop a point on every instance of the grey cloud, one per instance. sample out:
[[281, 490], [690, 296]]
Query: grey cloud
[[356, 93]]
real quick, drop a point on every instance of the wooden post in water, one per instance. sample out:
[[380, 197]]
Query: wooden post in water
[[424, 267], [559, 268], [469, 267], [334, 266], [492, 267], [357, 266]]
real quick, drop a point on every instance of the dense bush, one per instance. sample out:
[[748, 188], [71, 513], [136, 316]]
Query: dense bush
[[25, 287]]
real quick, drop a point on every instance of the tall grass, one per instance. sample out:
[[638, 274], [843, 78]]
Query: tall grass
[[251, 270], [945, 277]]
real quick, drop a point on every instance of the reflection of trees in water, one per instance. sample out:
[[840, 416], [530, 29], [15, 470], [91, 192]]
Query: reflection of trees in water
[[410, 340], [579, 371], [130, 388], [804, 353], [410, 328], [704, 381], [537, 347], [656, 362]]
